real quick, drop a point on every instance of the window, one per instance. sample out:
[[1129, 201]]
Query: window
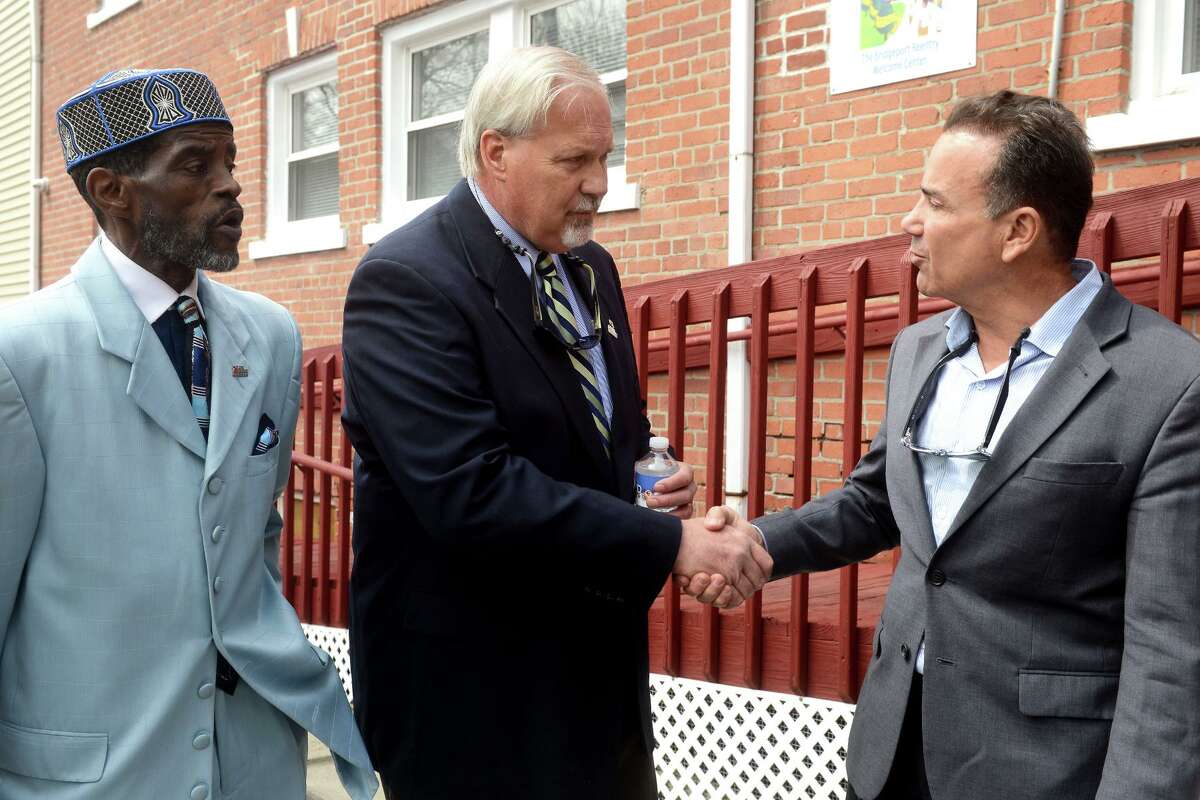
[[430, 64], [595, 31], [442, 75], [1165, 80], [302, 161]]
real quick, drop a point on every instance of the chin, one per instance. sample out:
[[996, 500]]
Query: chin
[[577, 235], [220, 262]]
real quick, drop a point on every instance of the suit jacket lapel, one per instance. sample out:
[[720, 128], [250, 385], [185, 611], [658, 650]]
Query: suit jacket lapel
[[928, 349], [230, 345], [123, 331], [496, 267], [1076, 370], [620, 367]]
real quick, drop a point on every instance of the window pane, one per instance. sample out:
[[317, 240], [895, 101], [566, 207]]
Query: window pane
[[443, 74], [594, 30], [1191, 37], [313, 187], [433, 161], [314, 117], [616, 99]]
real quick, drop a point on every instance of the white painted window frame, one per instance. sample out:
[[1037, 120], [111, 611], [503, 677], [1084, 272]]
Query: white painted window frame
[[284, 236], [107, 10], [508, 24], [1162, 99]]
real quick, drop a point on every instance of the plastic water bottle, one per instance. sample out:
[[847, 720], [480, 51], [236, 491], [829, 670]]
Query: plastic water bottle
[[652, 468]]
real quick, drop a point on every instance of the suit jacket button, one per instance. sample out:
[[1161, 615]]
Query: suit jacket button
[[201, 740], [905, 653], [937, 577], [199, 791], [214, 487]]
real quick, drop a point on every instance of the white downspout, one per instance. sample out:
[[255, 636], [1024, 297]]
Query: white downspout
[[37, 184], [1060, 12], [741, 222]]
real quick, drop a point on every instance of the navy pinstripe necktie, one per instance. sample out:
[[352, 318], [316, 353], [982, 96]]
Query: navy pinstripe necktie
[[200, 366]]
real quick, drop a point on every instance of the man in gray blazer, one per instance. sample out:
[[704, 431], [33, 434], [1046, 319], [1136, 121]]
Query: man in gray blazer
[[146, 421], [1039, 466]]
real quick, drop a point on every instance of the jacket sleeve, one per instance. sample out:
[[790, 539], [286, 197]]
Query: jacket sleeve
[[287, 435], [845, 526], [417, 401], [1155, 737], [22, 485]]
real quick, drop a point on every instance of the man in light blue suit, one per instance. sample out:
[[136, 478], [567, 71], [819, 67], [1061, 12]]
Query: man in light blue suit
[[146, 419]]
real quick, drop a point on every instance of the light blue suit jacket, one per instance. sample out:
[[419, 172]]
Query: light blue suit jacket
[[131, 553]]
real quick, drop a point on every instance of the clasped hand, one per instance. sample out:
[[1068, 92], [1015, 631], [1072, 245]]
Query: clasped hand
[[721, 559]]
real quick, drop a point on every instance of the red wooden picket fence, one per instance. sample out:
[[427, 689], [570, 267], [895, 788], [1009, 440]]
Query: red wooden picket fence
[[809, 634]]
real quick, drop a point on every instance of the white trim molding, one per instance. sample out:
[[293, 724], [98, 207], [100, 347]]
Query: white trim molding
[[1162, 97], [283, 235], [107, 10], [308, 236]]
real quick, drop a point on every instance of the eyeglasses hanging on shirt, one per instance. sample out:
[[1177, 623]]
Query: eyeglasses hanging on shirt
[[548, 297], [929, 388]]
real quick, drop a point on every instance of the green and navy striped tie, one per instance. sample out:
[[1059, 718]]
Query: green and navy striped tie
[[557, 308]]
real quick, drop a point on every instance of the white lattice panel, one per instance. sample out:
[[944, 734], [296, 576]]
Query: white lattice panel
[[721, 742], [716, 742], [336, 642]]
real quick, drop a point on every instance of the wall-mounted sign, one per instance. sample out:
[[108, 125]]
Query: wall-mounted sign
[[873, 42]]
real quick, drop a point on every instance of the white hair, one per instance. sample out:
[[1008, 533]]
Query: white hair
[[513, 95]]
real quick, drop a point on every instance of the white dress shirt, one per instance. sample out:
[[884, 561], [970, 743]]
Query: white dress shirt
[[150, 293]]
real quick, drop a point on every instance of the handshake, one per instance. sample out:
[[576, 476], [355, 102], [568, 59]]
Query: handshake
[[721, 559]]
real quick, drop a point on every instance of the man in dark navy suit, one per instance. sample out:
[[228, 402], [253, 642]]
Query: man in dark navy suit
[[502, 572]]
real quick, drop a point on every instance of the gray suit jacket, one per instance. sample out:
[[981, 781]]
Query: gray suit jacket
[[131, 553], [1060, 614]]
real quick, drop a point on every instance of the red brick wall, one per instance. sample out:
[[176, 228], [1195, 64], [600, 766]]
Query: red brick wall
[[237, 45], [827, 169], [842, 167]]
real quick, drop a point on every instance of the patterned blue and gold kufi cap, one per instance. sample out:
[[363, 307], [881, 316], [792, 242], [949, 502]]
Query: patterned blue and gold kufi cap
[[131, 104]]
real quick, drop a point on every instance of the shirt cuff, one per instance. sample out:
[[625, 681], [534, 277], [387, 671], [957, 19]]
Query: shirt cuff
[[762, 540]]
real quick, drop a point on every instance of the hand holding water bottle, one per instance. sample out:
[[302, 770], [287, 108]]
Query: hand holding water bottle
[[663, 483]]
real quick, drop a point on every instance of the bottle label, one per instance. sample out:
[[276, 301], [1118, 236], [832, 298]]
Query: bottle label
[[645, 488]]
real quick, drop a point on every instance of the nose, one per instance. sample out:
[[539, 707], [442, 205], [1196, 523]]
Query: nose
[[228, 185], [911, 224], [595, 181]]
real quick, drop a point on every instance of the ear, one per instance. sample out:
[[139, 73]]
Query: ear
[[1023, 230], [493, 147], [112, 193]]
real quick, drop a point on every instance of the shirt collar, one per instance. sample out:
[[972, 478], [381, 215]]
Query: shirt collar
[[508, 231], [1052, 330], [152, 295]]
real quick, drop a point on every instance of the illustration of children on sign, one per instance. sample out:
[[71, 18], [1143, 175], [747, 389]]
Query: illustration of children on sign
[[898, 22]]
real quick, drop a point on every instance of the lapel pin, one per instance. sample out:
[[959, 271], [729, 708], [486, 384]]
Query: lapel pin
[[240, 371], [612, 329]]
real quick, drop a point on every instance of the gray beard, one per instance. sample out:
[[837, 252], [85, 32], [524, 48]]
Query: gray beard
[[168, 241], [577, 234]]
